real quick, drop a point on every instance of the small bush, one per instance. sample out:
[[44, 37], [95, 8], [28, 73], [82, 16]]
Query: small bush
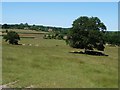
[[12, 37]]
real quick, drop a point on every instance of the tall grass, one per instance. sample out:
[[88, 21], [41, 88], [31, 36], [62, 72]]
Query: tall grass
[[50, 65]]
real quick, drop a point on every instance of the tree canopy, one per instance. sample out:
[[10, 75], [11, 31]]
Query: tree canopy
[[12, 37], [87, 33], [112, 37]]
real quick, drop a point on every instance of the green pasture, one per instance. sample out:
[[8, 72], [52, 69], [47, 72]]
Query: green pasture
[[24, 31], [47, 63]]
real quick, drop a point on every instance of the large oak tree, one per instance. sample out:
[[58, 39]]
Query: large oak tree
[[87, 33]]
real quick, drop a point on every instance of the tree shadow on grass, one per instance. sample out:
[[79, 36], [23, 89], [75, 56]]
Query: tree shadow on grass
[[89, 52]]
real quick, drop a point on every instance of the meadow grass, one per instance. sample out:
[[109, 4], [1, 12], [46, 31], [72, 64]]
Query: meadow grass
[[50, 65], [23, 31]]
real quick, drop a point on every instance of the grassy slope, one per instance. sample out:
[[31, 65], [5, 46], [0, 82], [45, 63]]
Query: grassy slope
[[49, 65], [22, 31]]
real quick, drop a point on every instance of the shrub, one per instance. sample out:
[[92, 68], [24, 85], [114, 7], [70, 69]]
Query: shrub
[[12, 37]]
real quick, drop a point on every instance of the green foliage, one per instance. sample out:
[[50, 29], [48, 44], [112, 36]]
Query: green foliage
[[60, 37], [6, 31], [112, 38], [12, 37], [5, 26], [86, 33], [33, 27], [55, 35]]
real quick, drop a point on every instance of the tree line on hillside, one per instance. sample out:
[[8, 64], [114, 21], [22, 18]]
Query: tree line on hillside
[[26, 26]]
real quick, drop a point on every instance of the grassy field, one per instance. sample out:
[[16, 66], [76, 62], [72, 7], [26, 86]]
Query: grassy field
[[47, 63], [24, 33]]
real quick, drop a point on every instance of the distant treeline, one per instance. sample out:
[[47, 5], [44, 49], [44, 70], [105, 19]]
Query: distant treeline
[[32, 27], [110, 37]]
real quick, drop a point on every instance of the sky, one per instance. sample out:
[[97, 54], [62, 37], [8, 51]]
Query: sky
[[59, 14]]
